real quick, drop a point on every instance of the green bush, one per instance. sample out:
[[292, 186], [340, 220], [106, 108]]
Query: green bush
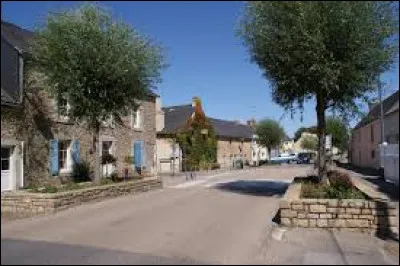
[[319, 191], [81, 172]]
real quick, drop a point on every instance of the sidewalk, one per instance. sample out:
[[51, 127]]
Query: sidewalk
[[322, 247], [180, 177]]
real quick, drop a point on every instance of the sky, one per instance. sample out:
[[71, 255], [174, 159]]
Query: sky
[[205, 57]]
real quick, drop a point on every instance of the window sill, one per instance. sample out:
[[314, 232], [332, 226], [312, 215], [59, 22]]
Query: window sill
[[138, 129]]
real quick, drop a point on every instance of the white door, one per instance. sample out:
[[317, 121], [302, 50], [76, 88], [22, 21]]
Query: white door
[[5, 168]]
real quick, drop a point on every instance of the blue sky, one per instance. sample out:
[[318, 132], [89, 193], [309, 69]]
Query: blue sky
[[206, 58]]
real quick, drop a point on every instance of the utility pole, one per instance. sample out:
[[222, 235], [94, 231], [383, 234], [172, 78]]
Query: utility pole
[[382, 161]]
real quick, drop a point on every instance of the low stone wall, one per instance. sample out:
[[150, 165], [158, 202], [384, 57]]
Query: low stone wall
[[375, 214], [25, 204]]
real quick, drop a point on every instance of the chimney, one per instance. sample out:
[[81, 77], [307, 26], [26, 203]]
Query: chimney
[[251, 123], [196, 101]]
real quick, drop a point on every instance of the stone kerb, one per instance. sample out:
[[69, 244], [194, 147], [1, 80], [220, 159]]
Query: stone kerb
[[376, 213]]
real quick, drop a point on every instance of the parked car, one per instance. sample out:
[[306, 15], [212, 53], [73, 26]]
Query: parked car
[[303, 158], [284, 158]]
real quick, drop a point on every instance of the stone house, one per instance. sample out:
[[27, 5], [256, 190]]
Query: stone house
[[233, 139], [366, 136], [39, 144]]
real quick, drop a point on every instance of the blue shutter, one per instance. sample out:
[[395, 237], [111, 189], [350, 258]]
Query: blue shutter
[[138, 153], [54, 157], [76, 151], [143, 148]]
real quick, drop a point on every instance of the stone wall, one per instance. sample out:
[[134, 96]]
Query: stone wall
[[227, 149], [36, 123], [24, 204], [351, 214]]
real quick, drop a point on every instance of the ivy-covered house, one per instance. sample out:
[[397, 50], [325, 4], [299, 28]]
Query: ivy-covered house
[[39, 143], [233, 138]]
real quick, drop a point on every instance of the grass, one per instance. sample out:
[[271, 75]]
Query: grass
[[49, 188]]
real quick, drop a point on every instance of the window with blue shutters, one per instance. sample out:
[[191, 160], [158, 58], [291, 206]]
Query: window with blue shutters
[[54, 168], [138, 153]]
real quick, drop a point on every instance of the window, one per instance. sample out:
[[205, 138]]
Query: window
[[5, 159], [106, 147], [136, 119], [63, 106], [372, 133], [63, 153], [373, 154]]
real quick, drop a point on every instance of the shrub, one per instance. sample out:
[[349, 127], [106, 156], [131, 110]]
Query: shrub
[[339, 180], [215, 166], [81, 172]]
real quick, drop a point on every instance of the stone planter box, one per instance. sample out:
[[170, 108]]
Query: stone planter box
[[25, 204], [377, 214]]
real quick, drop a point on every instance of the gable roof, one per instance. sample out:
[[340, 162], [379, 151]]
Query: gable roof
[[175, 118], [16, 36], [390, 104], [231, 129]]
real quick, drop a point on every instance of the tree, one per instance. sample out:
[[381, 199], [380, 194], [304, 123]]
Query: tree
[[198, 139], [270, 134], [309, 143], [103, 67], [339, 131], [332, 52]]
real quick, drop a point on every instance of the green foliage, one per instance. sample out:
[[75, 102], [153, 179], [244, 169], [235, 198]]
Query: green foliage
[[102, 66], [333, 51], [309, 143], [270, 134], [340, 187], [198, 141], [339, 131], [81, 172], [49, 189], [319, 191]]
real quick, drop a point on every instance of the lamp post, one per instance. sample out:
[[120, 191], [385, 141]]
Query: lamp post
[[383, 143]]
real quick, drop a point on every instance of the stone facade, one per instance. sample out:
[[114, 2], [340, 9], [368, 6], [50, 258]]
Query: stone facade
[[24, 204], [228, 149], [357, 215], [36, 123]]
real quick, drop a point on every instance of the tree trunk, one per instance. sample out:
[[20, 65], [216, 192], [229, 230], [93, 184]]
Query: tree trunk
[[269, 153], [96, 143], [321, 127]]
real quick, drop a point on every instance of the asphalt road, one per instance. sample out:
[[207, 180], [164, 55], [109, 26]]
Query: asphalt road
[[225, 219]]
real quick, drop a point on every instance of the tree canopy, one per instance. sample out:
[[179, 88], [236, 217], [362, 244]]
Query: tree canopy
[[102, 66], [330, 51], [270, 134], [309, 143]]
